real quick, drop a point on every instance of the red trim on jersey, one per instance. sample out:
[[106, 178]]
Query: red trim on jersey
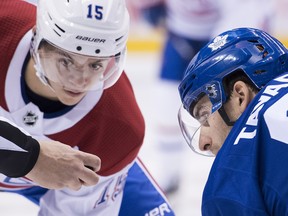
[[16, 18]]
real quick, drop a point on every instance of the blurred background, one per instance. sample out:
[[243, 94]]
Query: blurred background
[[164, 36]]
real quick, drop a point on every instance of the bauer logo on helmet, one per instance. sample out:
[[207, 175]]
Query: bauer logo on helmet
[[90, 39]]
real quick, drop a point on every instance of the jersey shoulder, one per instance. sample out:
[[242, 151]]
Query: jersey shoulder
[[113, 129], [16, 18]]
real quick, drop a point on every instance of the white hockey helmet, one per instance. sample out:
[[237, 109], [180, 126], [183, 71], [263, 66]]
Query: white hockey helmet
[[94, 28]]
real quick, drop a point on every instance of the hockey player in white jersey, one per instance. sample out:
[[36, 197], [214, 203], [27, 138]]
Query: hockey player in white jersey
[[234, 96], [62, 78], [248, 13]]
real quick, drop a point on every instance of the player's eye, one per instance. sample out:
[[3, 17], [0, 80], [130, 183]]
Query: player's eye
[[201, 113], [65, 62], [96, 66]]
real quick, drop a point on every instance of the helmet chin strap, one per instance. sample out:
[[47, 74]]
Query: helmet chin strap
[[225, 117]]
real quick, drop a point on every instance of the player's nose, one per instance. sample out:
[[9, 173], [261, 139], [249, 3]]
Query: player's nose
[[205, 143]]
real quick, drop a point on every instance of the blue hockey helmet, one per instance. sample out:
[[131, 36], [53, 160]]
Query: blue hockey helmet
[[254, 52], [259, 55]]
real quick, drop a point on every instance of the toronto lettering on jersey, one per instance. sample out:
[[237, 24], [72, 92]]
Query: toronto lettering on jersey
[[249, 130]]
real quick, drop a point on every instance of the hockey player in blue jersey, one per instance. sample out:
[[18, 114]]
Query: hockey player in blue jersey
[[236, 89]]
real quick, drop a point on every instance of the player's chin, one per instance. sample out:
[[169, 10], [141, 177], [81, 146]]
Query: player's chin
[[71, 100], [74, 94]]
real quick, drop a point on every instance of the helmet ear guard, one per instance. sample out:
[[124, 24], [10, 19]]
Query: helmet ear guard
[[92, 28]]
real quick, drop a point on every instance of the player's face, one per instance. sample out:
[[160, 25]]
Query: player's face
[[204, 128], [213, 131], [71, 75]]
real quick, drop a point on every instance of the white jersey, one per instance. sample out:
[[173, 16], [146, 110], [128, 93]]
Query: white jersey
[[244, 13], [192, 18], [103, 199], [203, 19]]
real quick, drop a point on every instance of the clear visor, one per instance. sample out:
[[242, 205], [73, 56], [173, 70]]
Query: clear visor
[[74, 71], [194, 123]]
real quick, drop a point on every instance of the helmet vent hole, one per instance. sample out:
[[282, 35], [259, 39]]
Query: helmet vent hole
[[257, 72], [56, 32], [62, 30], [49, 16], [79, 48], [265, 54], [97, 51], [260, 47], [253, 41], [119, 38]]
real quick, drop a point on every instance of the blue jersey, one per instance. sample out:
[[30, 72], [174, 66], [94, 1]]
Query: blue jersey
[[249, 176]]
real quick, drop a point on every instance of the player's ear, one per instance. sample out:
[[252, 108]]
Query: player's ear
[[243, 95]]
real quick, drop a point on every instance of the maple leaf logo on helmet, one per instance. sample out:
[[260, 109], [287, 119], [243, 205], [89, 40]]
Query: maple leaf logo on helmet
[[218, 42]]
